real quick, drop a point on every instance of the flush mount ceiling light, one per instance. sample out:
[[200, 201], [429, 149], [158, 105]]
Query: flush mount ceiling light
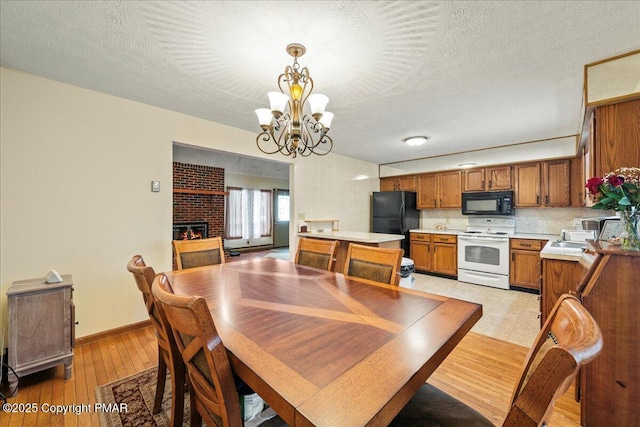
[[285, 127], [466, 165], [416, 140]]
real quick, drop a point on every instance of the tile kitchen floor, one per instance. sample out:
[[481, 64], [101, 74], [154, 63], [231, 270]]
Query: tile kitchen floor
[[508, 315]]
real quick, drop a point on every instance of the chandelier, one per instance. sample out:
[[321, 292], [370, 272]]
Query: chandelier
[[286, 128]]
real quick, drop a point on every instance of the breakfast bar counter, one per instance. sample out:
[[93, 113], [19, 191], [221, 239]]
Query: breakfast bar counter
[[345, 237]]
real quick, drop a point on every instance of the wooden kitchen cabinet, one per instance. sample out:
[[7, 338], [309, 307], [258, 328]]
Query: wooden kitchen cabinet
[[435, 253], [525, 268], [556, 183], [398, 183], [558, 277], [617, 136], [41, 326], [440, 190], [487, 179], [420, 248], [610, 385], [543, 184], [445, 254]]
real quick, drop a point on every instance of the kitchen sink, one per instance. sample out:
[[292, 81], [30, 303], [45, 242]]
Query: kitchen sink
[[564, 244]]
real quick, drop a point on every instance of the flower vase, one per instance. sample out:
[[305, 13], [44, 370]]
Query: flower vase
[[629, 234]]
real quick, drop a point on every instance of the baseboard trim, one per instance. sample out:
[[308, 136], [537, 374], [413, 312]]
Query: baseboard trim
[[87, 339]]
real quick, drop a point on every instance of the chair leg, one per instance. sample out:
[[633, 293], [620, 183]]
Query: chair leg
[[162, 378], [177, 395], [196, 418]]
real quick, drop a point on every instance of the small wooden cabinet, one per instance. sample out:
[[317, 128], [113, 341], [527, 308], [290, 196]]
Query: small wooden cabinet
[[495, 178], [525, 268], [558, 277], [435, 253], [543, 184], [610, 385], [440, 190], [41, 326], [398, 183]]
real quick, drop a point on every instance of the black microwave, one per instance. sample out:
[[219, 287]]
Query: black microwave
[[488, 203]]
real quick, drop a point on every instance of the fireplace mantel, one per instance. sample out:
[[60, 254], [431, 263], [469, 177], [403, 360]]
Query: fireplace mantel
[[204, 192]]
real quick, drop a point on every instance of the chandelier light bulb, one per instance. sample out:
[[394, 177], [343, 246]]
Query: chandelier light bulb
[[296, 92], [264, 117], [326, 120], [317, 103], [278, 102]]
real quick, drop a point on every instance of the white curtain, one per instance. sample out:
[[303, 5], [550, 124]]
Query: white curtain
[[249, 213]]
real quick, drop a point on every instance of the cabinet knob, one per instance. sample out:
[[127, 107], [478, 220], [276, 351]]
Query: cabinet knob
[[490, 184]]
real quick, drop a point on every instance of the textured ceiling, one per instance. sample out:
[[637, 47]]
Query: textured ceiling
[[468, 74]]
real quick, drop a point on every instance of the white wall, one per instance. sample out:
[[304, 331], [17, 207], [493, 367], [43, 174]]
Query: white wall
[[76, 167]]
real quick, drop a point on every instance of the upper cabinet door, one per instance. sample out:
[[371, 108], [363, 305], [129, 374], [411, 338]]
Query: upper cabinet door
[[407, 183], [527, 185], [499, 178], [556, 182], [387, 184], [450, 189], [427, 191], [474, 180]]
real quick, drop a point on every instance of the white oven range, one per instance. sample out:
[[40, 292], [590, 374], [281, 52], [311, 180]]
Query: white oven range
[[483, 251]]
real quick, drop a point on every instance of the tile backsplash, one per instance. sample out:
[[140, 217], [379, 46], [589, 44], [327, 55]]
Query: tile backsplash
[[532, 220]]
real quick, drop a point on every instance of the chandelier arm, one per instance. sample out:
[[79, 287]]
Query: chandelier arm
[[308, 81], [267, 136]]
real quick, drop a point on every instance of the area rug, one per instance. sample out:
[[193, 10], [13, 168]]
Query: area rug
[[138, 392]]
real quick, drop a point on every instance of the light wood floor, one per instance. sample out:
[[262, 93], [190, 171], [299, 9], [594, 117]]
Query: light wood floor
[[481, 371]]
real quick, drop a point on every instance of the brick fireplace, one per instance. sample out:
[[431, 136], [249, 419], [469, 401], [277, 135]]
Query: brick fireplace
[[198, 199]]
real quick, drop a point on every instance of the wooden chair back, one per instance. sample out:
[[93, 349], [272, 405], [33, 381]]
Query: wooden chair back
[[198, 252], [372, 263], [168, 353], [317, 253], [569, 339], [213, 392]]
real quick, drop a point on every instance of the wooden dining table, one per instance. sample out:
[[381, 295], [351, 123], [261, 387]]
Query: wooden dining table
[[324, 349]]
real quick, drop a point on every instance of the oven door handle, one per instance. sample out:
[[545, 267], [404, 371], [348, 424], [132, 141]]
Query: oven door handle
[[483, 239]]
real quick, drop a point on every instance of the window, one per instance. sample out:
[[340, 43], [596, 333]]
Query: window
[[249, 213]]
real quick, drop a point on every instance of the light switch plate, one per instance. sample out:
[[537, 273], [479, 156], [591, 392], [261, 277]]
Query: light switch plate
[[155, 186]]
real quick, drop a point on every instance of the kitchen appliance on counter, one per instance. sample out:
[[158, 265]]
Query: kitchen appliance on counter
[[483, 252], [394, 212], [488, 203], [597, 223]]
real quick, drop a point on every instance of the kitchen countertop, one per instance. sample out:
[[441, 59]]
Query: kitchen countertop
[[353, 236], [566, 254], [515, 236], [434, 231]]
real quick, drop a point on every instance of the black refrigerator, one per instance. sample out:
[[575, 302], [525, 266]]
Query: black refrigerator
[[394, 212]]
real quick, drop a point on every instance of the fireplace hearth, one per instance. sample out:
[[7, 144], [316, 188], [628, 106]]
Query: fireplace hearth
[[190, 230]]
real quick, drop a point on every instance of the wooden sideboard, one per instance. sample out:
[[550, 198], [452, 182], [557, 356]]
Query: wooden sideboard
[[610, 290], [41, 326]]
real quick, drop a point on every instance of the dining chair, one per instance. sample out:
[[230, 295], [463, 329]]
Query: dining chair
[[317, 253], [373, 263], [198, 252], [213, 394], [168, 354], [569, 339]]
